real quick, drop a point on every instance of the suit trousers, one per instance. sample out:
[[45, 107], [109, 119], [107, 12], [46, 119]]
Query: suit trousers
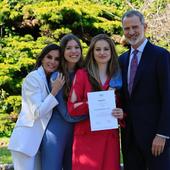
[[137, 158], [25, 162]]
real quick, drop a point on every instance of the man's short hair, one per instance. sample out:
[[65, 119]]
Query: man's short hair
[[132, 13]]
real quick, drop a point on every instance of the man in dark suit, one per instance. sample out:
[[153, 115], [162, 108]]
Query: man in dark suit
[[145, 99]]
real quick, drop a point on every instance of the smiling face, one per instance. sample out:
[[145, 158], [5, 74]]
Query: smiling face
[[72, 52], [51, 61], [102, 52], [134, 30]]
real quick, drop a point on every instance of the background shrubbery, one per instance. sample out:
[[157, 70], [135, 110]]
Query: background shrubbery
[[26, 26]]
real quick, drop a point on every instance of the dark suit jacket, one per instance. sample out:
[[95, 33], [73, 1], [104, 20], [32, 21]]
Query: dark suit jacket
[[148, 107]]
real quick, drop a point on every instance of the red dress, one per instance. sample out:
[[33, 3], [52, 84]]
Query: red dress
[[97, 150]]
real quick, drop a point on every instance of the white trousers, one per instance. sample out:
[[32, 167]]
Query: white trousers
[[25, 162]]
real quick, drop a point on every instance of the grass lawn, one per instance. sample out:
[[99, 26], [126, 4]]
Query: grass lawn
[[5, 155]]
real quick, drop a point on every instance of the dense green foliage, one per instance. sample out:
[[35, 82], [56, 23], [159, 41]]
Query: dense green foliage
[[5, 155], [27, 25]]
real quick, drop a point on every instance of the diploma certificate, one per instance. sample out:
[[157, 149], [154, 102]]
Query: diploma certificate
[[101, 104]]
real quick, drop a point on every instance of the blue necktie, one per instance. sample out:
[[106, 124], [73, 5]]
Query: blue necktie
[[133, 68]]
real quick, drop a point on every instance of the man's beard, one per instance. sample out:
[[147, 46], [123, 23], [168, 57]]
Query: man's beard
[[136, 40]]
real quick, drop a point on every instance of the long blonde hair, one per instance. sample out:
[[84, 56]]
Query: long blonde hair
[[91, 65]]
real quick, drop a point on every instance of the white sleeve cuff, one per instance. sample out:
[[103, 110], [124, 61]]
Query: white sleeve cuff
[[162, 136]]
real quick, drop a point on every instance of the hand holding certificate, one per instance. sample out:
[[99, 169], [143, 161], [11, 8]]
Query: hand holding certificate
[[101, 105]]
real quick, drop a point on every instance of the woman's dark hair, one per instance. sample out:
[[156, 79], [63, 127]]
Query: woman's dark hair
[[44, 52], [64, 66]]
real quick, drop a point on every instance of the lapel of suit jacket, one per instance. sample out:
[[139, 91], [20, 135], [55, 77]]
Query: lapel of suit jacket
[[125, 75], [140, 67], [43, 76]]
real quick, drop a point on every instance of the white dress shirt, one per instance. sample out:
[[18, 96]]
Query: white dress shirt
[[139, 54]]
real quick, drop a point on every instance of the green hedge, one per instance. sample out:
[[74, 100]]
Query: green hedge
[[27, 26]]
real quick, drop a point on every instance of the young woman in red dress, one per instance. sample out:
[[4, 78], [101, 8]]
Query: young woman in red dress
[[94, 150]]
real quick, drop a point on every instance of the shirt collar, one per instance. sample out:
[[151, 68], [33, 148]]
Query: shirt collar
[[141, 47]]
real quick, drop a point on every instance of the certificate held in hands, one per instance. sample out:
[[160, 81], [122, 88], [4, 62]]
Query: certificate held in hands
[[101, 105]]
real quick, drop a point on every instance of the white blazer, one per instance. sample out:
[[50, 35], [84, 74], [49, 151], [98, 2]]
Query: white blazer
[[36, 111]]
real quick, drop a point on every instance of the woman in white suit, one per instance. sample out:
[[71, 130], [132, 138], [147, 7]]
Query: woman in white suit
[[38, 102]]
